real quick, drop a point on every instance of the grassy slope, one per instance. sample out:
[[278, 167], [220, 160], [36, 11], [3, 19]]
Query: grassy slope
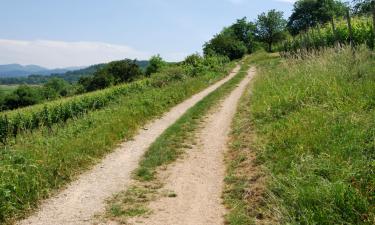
[[41, 162], [314, 121], [165, 150]]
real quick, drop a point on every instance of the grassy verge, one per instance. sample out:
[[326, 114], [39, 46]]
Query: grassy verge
[[314, 121], [40, 162], [245, 181], [166, 149]]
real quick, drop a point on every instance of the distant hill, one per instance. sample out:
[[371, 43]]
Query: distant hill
[[17, 70], [71, 75]]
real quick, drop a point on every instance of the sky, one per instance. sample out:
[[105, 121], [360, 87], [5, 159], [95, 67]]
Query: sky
[[65, 33]]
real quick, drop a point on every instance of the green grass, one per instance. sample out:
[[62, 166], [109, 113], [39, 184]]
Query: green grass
[[7, 89], [243, 172], [314, 121], [175, 141], [38, 163]]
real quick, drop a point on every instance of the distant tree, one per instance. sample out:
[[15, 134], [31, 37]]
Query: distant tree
[[59, 85], [22, 96], [362, 7], [156, 63], [244, 31], [309, 13], [270, 27], [122, 71], [111, 74], [225, 44], [193, 60]]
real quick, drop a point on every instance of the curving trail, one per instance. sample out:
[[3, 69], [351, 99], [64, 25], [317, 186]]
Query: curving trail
[[85, 197], [198, 178]]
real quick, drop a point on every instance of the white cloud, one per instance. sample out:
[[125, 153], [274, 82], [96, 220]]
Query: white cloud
[[54, 54]]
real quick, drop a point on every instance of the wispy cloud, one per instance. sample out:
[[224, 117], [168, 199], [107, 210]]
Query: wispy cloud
[[62, 54]]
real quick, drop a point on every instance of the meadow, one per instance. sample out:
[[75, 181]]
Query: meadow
[[312, 127]]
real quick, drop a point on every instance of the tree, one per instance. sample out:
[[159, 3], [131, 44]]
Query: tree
[[60, 86], [111, 74], [362, 7], [225, 44], [270, 27], [22, 96], [156, 63], [244, 31], [123, 71], [309, 13]]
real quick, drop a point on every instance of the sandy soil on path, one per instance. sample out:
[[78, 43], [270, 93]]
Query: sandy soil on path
[[198, 178], [85, 197]]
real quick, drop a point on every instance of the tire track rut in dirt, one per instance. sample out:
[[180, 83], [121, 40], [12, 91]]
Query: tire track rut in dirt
[[198, 178]]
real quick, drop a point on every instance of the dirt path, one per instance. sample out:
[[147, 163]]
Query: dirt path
[[86, 196], [197, 179]]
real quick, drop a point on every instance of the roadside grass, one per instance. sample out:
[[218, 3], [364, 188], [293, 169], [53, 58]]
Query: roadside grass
[[174, 142], [245, 181], [314, 123], [41, 162]]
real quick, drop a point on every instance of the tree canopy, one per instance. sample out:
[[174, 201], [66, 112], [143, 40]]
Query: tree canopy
[[309, 13], [270, 27]]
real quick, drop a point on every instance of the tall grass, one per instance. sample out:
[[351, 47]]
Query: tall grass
[[39, 162], [316, 120]]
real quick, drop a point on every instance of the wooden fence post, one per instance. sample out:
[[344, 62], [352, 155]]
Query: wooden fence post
[[373, 17], [350, 28]]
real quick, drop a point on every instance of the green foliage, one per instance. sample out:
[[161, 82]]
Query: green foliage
[[196, 64], [310, 13], [22, 96], [362, 7], [113, 73], [225, 44], [322, 37], [244, 31], [233, 42], [156, 63], [270, 27], [315, 122]]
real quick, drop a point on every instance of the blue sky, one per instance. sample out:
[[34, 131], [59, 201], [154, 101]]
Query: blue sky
[[61, 33]]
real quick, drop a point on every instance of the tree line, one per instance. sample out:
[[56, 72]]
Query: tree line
[[244, 37]]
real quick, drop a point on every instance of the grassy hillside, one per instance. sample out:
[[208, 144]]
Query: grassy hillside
[[41, 160], [314, 142]]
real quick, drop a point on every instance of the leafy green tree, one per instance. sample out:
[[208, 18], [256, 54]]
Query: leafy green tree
[[363, 7], [122, 71], [111, 74], [22, 96], [193, 60], [270, 27], [59, 85], [244, 31], [309, 13], [156, 63], [225, 44]]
